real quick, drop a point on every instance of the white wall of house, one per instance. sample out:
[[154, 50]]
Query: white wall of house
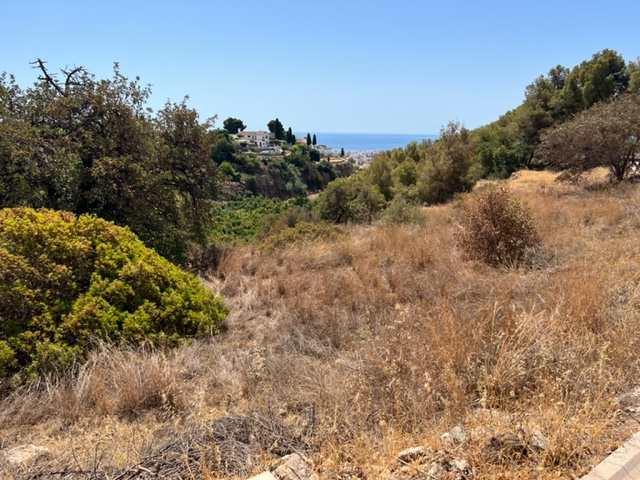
[[259, 138]]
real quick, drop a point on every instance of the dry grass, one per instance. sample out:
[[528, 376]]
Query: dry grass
[[386, 339]]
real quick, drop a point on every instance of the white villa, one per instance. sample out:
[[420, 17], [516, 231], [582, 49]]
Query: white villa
[[257, 139]]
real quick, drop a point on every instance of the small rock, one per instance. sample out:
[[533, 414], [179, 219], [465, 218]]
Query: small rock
[[411, 454], [462, 467], [263, 476], [453, 468], [538, 440], [294, 467], [24, 454], [505, 447], [455, 436]]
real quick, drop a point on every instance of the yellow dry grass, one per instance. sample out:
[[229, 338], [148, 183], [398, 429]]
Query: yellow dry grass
[[390, 339]]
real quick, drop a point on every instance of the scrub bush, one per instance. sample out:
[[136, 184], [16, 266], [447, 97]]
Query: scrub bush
[[67, 281], [496, 228]]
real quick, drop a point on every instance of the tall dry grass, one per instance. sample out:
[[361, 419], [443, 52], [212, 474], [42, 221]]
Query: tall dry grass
[[391, 339]]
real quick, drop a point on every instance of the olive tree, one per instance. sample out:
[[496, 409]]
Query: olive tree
[[605, 135]]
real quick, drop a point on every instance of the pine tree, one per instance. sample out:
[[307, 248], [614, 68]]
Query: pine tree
[[314, 142], [308, 139]]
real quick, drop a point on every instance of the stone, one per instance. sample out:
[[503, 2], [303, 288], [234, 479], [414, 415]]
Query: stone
[[24, 454], [455, 436], [294, 467], [411, 454], [453, 468], [263, 476], [537, 440]]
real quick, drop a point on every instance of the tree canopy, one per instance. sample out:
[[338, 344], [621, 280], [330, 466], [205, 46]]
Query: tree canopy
[[276, 127], [92, 146], [607, 134], [233, 125], [511, 141]]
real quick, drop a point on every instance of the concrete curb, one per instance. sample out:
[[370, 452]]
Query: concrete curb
[[623, 464]]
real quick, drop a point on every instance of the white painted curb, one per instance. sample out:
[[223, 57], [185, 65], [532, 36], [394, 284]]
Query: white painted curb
[[623, 464]]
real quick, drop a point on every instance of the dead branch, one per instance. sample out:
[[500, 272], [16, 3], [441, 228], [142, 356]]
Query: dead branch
[[70, 77]]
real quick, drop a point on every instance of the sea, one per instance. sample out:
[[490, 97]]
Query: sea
[[367, 141]]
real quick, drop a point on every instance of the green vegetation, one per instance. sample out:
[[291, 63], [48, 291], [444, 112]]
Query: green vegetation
[[400, 211], [511, 141], [276, 127], [233, 125], [90, 146], [381, 332], [428, 172], [241, 219], [67, 281]]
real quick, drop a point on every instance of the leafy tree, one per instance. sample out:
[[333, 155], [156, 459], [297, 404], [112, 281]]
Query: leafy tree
[[223, 149], [405, 179], [186, 156], [379, 174], [448, 165], [349, 199], [342, 152], [607, 135], [501, 146], [603, 76], [91, 146], [314, 155], [233, 125], [314, 142], [290, 137], [510, 142], [276, 127], [633, 68], [308, 140]]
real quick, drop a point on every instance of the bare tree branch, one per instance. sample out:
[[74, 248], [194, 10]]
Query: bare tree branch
[[70, 77], [70, 80], [48, 78]]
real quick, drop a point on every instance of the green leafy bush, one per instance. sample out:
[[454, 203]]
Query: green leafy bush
[[67, 280], [496, 228], [399, 211]]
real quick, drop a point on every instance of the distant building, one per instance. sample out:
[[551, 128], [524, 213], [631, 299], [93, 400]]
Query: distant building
[[258, 139], [324, 150]]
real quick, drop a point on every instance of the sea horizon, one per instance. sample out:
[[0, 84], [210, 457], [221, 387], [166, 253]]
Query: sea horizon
[[367, 141]]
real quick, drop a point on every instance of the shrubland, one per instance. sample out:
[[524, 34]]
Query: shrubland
[[509, 312], [353, 347]]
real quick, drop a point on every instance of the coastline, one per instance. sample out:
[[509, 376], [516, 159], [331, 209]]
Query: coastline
[[367, 142]]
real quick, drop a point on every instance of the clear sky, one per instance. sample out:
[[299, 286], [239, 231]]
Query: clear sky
[[403, 66]]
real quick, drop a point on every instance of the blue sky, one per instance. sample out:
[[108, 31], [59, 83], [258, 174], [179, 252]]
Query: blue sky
[[403, 66]]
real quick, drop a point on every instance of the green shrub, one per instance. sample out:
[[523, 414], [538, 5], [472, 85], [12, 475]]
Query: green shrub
[[496, 228], [68, 280], [399, 211]]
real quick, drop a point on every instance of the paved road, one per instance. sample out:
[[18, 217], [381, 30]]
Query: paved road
[[623, 464]]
